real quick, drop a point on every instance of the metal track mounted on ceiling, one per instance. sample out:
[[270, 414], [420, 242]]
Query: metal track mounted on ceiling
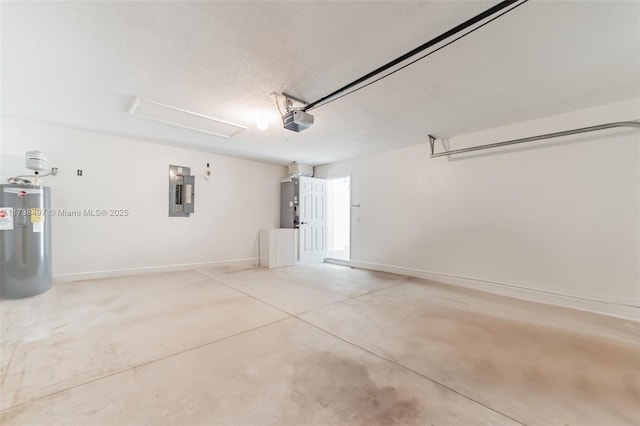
[[433, 139], [466, 28]]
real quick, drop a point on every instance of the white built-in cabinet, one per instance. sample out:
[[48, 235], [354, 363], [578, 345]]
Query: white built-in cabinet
[[278, 247]]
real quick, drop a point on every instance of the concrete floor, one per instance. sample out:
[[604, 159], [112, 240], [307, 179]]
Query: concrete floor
[[322, 345]]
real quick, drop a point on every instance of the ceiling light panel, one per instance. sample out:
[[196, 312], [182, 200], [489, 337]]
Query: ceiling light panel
[[185, 119]]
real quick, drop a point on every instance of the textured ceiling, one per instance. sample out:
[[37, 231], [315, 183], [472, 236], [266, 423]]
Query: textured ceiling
[[80, 64]]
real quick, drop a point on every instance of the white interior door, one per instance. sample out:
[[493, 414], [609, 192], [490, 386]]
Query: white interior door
[[313, 220]]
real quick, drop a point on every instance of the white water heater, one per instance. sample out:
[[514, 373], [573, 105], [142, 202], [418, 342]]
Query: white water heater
[[25, 240]]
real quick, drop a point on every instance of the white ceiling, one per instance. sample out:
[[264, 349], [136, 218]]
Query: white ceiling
[[81, 64]]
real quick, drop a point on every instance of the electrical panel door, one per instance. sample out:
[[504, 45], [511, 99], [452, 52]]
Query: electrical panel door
[[181, 191]]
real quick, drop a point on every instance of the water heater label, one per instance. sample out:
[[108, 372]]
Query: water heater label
[[37, 216], [6, 218]]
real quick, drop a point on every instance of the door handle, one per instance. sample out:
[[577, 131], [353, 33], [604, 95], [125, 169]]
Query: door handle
[[303, 223]]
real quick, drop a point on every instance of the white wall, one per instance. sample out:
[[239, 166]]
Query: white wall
[[559, 216], [241, 197]]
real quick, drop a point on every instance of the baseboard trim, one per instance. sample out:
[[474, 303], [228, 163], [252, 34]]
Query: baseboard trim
[[252, 261], [615, 308]]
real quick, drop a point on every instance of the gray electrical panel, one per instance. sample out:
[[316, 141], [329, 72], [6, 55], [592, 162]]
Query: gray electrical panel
[[25, 240], [181, 191], [289, 207]]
